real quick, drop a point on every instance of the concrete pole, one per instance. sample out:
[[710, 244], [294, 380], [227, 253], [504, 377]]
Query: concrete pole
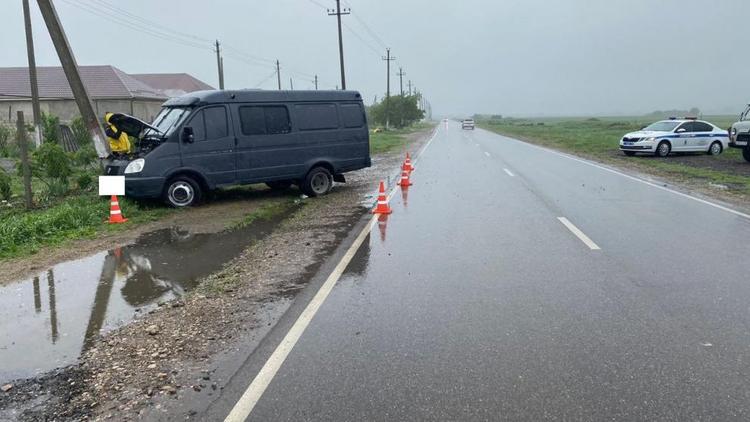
[[70, 67], [32, 75]]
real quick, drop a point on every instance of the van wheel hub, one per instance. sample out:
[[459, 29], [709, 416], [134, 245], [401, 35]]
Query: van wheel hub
[[320, 183], [181, 193]]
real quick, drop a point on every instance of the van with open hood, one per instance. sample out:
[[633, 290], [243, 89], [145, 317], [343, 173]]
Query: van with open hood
[[211, 139]]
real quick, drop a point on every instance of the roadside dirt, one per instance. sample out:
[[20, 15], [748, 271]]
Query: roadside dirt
[[172, 354]]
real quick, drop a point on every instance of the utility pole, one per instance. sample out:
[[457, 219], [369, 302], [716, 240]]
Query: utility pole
[[410, 87], [278, 74], [32, 76], [69, 65], [316, 82], [291, 84], [23, 147], [388, 59], [401, 74], [219, 65], [338, 12]]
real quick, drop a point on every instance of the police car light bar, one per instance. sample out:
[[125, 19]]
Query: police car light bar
[[690, 118]]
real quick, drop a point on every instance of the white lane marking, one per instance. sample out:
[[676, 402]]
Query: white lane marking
[[510, 173], [262, 380], [249, 399], [487, 153], [637, 179], [576, 231]]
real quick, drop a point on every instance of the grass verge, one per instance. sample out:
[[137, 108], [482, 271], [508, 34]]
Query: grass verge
[[393, 139], [598, 139], [75, 217]]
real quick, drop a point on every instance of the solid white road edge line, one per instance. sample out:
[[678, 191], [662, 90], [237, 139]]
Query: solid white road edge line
[[510, 173], [262, 380], [576, 231], [637, 179]]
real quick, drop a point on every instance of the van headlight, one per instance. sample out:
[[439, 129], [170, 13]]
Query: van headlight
[[734, 131], [135, 166]]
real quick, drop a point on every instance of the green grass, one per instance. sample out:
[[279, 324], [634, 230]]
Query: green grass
[[393, 139], [598, 138], [80, 216]]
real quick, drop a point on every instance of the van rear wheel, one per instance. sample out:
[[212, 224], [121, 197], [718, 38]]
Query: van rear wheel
[[318, 181], [182, 191], [746, 153]]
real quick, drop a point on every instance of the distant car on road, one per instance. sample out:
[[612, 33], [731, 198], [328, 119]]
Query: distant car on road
[[676, 135], [739, 134], [467, 124]]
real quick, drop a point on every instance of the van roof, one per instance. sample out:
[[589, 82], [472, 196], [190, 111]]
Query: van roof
[[259, 95]]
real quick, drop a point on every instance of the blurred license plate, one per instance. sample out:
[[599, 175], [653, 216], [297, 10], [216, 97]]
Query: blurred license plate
[[628, 143]]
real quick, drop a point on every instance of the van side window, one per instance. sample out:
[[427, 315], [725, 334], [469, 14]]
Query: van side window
[[199, 127], [352, 115], [316, 116], [262, 120], [216, 122], [277, 120]]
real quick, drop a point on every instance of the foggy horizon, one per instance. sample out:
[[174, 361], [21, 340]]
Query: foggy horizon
[[515, 58]]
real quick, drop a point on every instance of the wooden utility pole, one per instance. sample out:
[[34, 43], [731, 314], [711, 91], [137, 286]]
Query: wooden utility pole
[[316, 82], [338, 12], [410, 87], [220, 65], [69, 65], [32, 76], [291, 84], [388, 59], [401, 74], [23, 147], [278, 74]]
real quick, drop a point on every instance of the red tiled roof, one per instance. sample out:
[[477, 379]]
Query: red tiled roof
[[102, 82]]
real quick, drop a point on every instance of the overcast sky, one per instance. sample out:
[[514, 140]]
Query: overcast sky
[[512, 57]]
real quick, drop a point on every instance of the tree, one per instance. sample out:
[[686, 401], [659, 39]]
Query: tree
[[402, 111]]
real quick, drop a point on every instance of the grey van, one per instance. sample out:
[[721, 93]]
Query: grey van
[[210, 139]]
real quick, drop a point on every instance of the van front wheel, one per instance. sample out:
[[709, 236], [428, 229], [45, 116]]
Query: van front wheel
[[182, 191], [318, 181]]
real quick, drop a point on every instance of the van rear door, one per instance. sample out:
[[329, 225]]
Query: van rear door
[[212, 148]]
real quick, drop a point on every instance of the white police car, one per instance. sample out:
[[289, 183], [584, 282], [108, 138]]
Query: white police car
[[676, 135]]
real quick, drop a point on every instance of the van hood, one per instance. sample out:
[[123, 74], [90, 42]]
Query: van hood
[[129, 124]]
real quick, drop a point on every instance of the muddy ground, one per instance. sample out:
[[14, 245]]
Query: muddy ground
[[178, 356]]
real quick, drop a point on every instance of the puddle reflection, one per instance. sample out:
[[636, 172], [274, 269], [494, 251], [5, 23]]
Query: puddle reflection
[[45, 328]]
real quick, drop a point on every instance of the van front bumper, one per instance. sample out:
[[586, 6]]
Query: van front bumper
[[144, 187]]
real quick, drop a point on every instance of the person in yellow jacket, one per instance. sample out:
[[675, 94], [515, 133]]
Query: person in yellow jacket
[[119, 142]]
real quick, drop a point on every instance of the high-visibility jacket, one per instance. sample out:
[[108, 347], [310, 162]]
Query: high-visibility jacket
[[118, 140]]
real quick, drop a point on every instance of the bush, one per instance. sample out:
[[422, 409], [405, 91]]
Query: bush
[[84, 181], [5, 190], [50, 128], [81, 134], [7, 134], [85, 157]]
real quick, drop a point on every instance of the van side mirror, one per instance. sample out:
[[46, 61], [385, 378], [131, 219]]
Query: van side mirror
[[188, 136]]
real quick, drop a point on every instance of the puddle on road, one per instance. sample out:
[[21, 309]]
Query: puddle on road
[[48, 320]]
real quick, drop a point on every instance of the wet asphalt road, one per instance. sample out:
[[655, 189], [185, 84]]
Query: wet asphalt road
[[481, 305]]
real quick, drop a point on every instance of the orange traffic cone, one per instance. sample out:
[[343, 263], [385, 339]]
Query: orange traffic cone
[[382, 225], [115, 215], [405, 182], [407, 164], [382, 207]]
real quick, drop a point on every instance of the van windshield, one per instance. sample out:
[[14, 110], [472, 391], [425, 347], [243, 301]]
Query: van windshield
[[168, 119]]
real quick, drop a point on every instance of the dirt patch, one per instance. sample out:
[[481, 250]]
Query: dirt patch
[[171, 353]]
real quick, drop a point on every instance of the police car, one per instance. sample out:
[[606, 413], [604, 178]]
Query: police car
[[676, 135]]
